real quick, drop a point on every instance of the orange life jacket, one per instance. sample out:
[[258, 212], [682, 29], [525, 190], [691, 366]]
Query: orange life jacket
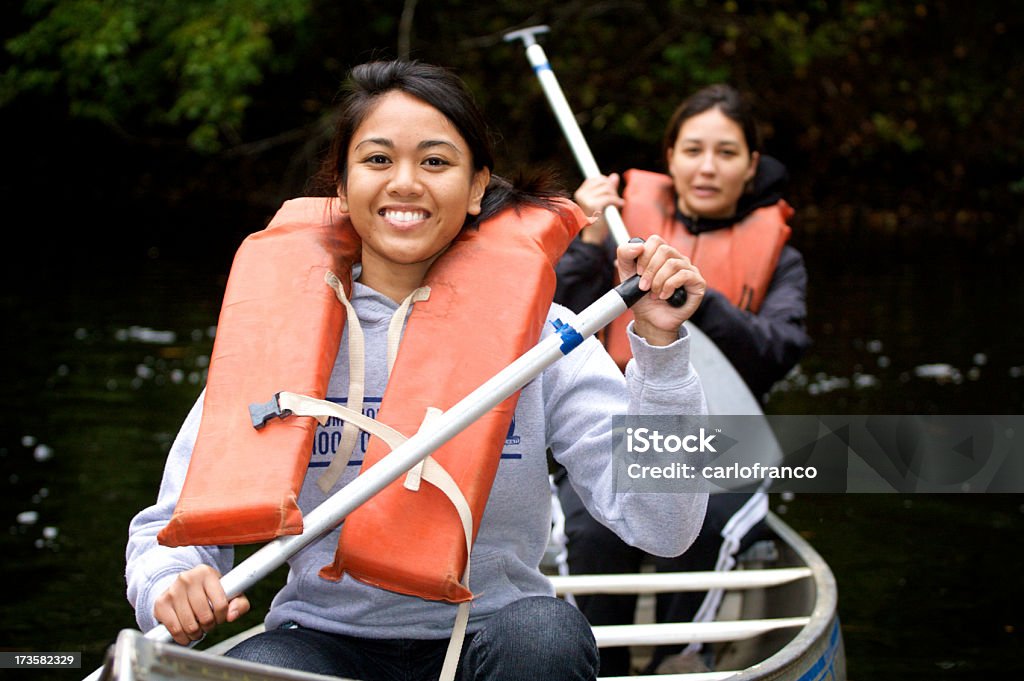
[[737, 261], [279, 330]]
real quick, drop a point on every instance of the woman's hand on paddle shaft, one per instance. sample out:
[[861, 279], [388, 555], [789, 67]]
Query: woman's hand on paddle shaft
[[593, 196], [662, 270], [196, 603]]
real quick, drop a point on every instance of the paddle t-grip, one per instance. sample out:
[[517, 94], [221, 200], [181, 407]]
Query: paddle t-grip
[[528, 35], [678, 297]]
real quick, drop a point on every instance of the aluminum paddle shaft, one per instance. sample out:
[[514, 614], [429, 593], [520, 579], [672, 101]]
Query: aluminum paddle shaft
[[571, 129], [493, 392]]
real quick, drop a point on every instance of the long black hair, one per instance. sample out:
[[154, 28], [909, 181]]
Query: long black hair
[[445, 91]]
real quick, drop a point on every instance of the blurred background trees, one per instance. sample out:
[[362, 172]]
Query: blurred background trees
[[896, 119]]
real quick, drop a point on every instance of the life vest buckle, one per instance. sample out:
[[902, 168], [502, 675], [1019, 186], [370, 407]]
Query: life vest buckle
[[261, 412]]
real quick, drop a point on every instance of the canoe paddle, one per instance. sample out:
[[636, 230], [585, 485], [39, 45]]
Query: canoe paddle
[[577, 142]]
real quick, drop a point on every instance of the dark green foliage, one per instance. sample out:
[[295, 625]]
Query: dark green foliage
[[884, 112]]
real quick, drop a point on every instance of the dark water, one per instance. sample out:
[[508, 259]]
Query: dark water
[[106, 351]]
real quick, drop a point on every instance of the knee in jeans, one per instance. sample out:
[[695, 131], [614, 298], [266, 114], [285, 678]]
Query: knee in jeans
[[538, 637], [288, 648], [559, 627]]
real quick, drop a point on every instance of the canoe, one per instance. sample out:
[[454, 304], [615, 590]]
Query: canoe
[[778, 622]]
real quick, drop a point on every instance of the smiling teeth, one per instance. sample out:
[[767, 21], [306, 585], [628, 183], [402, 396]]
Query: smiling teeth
[[404, 215]]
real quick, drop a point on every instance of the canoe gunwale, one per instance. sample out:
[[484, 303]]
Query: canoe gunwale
[[823, 617]]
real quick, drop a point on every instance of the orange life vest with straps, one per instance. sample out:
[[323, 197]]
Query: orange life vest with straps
[[737, 261], [279, 330]]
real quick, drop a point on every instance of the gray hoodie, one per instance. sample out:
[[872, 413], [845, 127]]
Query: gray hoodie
[[568, 408]]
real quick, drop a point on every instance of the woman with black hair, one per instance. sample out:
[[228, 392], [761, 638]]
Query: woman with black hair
[[721, 205], [420, 221]]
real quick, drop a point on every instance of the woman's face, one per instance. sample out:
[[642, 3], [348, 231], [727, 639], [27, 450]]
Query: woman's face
[[710, 165], [410, 184]]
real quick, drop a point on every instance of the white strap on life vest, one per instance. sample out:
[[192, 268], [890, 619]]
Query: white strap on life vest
[[428, 469], [357, 372], [356, 388], [398, 321], [322, 410], [436, 475]]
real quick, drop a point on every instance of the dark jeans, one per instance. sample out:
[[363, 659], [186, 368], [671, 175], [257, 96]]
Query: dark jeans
[[594, 549], [532, 638]]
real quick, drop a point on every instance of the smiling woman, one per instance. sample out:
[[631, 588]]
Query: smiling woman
[[410, 184], [428, 245]]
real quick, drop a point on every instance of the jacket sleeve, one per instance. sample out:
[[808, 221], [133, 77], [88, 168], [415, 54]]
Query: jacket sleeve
[[764, 346], [581, 398], [150, 567], [585, 273]]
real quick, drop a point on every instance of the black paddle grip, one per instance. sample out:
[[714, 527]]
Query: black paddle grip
[[630, 289]]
